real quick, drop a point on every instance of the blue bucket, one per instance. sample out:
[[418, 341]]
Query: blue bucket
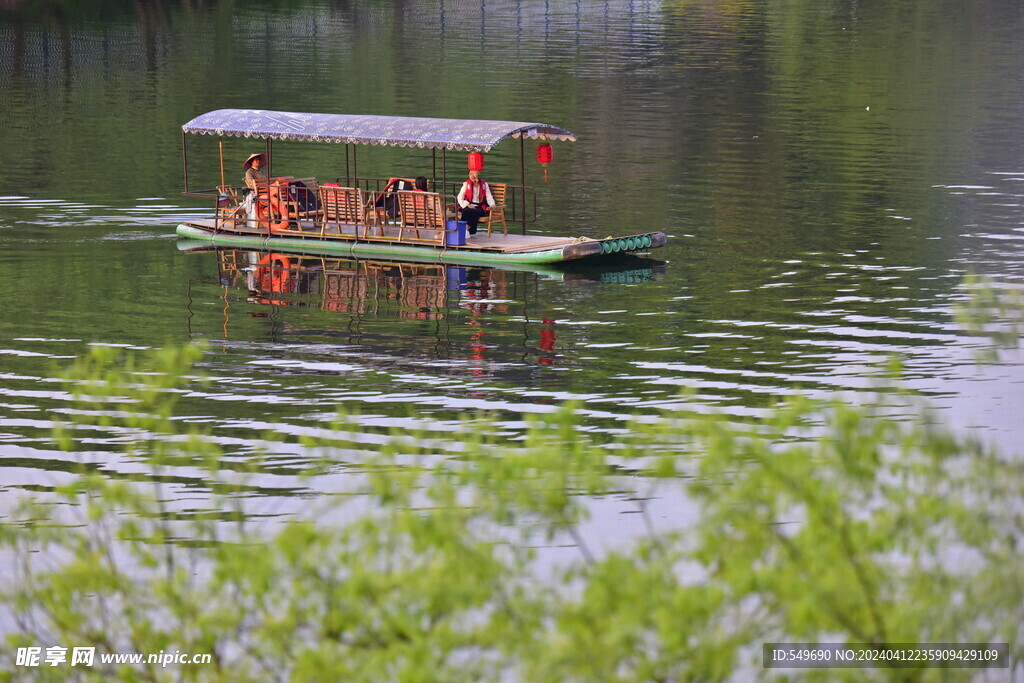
[[455, 235]]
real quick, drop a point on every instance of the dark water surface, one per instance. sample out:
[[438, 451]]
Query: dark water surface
[[827, 174]]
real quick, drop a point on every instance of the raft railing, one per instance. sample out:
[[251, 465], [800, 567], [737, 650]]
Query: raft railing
[[298, 198], [513, 200]]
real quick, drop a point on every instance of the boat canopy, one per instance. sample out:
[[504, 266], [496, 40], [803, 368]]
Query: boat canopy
[[398, 131]]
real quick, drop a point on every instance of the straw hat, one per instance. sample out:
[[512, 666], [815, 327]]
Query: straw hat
[[248, 162]]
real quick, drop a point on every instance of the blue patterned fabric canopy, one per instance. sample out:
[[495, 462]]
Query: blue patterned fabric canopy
[[400, 131]]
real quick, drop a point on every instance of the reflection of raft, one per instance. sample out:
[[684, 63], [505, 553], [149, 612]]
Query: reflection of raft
[[418, 290], [348, 220]]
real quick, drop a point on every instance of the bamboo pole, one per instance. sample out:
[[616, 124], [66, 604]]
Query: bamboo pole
[[522, 179], [184, 160], [269, 146]]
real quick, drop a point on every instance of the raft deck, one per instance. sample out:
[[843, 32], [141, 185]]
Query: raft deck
[[481, 249], [393, 234]]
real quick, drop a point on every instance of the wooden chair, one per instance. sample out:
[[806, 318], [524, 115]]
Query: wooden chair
[[498, 191], [295, 199], [303, 195], [343, 206], [421, 211], [230, 213], [381, 199]]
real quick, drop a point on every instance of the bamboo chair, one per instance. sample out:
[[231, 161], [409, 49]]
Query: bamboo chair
[[295, 198], [343, 206], [379, 202], [229, 208], [421, 211], [302, 196], [498, 191]]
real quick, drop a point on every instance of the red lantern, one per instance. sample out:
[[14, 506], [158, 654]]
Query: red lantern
[[544, 156], [476, 161]]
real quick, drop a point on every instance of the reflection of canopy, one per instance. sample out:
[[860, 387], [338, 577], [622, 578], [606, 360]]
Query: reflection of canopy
[[400, 131]]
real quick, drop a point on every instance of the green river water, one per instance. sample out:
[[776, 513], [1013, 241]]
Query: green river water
[[827, 173]]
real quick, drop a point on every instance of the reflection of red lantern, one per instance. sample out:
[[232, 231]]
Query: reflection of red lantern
[[547, 341], [544, 156], [476, 161]]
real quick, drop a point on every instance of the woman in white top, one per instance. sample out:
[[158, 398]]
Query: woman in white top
[[256, 180], [475, 200]]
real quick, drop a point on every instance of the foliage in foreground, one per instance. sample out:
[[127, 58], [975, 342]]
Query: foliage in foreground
[[824, 522]]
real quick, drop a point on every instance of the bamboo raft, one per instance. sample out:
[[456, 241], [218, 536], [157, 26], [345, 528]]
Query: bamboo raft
[[361, 219]]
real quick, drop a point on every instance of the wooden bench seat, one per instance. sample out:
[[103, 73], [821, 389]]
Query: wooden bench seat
[[421, 217], [345, 206]]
